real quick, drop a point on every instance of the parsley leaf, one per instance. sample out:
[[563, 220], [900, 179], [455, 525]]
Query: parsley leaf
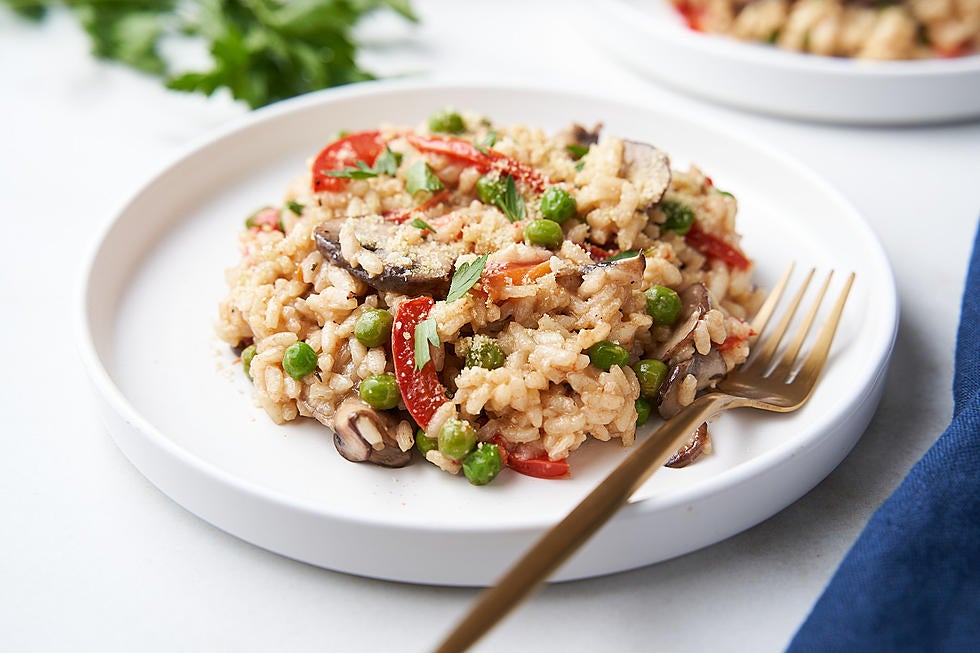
[[420, 177], [295, 207], [419, 223], [577, 151], [510, 201], [465, 277], [630, 253], [261, 50], [387, 162], [362, 171], [488, 141], [426, 333], [580, 165]]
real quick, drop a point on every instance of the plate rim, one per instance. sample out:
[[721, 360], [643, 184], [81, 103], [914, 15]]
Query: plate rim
[[110, 392]]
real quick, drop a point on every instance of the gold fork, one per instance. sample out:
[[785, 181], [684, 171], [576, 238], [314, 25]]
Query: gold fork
[[765, 382]]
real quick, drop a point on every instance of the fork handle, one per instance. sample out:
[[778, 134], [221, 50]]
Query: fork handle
[[564, 539]]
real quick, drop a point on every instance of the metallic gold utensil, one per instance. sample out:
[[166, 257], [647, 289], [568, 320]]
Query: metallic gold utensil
[[775, 383]]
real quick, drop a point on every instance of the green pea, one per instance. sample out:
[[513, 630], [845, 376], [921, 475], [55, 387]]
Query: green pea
[[651, 374], [643, 409], [424, 443], [247, 355], [663, 304], [680, 216], [299, 360], [457, 438], [490, 189], [485, 353], [447, 122], [604, 354], [557, 204], [544, 233], [482, 465], [380, 391], [373, 327]]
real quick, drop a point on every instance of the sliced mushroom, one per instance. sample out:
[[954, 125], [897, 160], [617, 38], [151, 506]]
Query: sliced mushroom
[[424, 268], [585, 137], [624, 271], [648, 169], [706, 368], [361, 435], [699, 444], [695, 302]]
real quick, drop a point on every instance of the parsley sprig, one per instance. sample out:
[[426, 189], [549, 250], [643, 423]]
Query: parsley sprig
[[510, 201], [386, 164], [261, 50], [426, 333], [465, 278]]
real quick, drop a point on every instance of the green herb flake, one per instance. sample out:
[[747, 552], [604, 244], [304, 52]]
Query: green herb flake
[[420, 177], [465, 277], [419, 223], [724, 192], [362, 171], [579, 166], [295, 207], [630, 253], [577, 151], [426, 333], [488, 141], [511, 202], [387, 162]]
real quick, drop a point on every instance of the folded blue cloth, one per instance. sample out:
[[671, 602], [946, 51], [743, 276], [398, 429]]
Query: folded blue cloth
[[911, 582]]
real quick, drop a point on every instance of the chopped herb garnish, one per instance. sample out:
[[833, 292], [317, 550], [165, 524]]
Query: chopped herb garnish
[[295, 207], [387, 162], [465, 277], [362, 171], [580, 165], [419, 223], [420, 177], [724, 192], [510, 201], [577, 151], [488, 141], [426, 333], [630, 253]]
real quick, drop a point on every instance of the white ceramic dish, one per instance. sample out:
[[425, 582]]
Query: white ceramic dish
[[182, 412], [651, 37]]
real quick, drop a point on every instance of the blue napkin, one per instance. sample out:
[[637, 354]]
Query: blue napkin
[[911, 582]]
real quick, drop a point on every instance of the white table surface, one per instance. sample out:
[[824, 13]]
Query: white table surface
[[93, 557]]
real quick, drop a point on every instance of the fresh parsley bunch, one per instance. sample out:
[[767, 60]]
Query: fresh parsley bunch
[[261, 50]]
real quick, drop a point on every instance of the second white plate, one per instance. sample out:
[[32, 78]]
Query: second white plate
[[183, 413], [651, 37]]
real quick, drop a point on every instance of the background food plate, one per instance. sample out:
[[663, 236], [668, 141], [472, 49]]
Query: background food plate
[[182, 411], [651, 37]]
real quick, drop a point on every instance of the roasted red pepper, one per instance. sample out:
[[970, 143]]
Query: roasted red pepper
[[421, 390], [498, 276], [693, 14], [342, 153], [483, 160], [714, 247], [542, 467]]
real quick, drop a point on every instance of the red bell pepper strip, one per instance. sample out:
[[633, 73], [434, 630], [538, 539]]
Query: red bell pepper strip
[[342, 153], [421, 390], [542, 467], [401, 215], [483, 160], [693, 14], [715, 247]]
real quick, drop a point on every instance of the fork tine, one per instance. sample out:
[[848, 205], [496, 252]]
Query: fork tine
[[785, 366], [772, 341], [821, 348], [765, 311]]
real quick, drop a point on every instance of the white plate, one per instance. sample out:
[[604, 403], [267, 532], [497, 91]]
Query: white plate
[[650, 36], [183, 413]]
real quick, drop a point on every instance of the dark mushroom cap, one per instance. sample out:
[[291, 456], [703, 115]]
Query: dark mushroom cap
[[695, 302], [706, 368], [425, 268], [648, 169], [352, 423], [692, 449]]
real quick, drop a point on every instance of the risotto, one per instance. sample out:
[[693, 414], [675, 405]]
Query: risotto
[[900, 29], [485, 296]]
